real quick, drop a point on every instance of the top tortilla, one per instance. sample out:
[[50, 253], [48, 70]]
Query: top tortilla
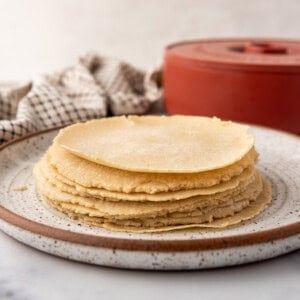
[[158, 144]]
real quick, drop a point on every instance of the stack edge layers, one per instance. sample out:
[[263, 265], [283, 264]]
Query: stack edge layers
[[152, 174]]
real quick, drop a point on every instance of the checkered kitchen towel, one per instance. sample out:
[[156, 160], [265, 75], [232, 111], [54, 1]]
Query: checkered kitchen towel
[[95, 87]]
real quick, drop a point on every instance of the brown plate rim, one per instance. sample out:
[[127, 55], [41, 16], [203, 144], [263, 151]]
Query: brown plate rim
[[233, 241]]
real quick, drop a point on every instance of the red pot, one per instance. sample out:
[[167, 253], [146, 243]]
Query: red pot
[[247, 80]]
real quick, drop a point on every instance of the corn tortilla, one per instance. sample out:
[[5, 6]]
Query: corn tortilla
[[124, 209], [92, 175], [71, 187], [253, 209], [158, 144]]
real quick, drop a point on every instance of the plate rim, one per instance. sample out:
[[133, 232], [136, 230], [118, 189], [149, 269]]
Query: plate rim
[[171, 245]]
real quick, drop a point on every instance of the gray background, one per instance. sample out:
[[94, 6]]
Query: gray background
[[42, 36]]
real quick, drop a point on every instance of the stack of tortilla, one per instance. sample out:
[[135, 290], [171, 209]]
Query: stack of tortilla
[[154, 173]]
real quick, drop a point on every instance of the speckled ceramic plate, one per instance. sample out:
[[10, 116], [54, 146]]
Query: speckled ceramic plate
[[26, 217]]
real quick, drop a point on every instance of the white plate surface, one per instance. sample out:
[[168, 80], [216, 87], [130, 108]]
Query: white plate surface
[[274, 232]]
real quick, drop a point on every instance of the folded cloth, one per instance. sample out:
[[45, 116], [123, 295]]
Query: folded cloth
[[95, 87]]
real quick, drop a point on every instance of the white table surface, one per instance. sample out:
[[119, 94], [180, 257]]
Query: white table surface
[[51, 36], [26, 273]]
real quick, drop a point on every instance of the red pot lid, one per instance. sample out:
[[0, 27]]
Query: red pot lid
[[274, 55]]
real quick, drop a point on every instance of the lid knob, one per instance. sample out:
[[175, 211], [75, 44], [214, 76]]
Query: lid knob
[[264, 48]]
